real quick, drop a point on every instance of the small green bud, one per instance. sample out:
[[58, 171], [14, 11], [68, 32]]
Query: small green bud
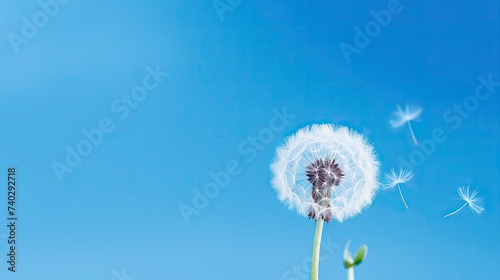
[[361, 254], [348, 264]]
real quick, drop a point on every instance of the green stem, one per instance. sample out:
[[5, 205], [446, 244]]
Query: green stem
[[350, 273], [316, 248]]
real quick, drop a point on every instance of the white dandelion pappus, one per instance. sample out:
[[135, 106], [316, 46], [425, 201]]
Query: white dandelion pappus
[[405, 116], [326, 171], [475, 203], [396, 179]]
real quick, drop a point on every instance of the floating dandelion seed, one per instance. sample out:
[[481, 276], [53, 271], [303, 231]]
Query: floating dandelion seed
[[405, 116], [396, 179], [327, 173], [475, 203]]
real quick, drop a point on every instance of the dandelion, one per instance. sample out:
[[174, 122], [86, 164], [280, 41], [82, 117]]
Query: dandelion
[[405, 116], [475, 203], [396, 179], [326, 173]]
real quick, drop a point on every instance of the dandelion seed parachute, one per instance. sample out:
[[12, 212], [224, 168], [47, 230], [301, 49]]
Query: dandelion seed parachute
[[401, 116], [401, 177], [326, 171], [396, 179], [405, 116], [475, 203]]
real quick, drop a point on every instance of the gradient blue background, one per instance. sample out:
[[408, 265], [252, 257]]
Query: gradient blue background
[[119, 208]]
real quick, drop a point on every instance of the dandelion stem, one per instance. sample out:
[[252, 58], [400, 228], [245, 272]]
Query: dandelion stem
[[350, 273], [455, 212], [402, 197], [316, 248], [408, 123]]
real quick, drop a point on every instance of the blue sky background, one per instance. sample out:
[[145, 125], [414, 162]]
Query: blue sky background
[[119, 208]]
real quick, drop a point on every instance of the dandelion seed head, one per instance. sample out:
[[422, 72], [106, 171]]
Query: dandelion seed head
[[326, 171], [402, 116], [323, 174]]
